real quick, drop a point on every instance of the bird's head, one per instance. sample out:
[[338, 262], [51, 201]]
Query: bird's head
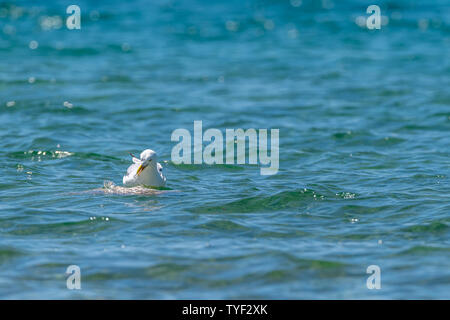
[[147, 157]]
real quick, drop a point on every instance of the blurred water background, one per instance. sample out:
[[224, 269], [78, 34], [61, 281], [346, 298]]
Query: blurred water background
[[364, 119]]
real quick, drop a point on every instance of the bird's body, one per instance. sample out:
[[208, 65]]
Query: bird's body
[[145, 171]]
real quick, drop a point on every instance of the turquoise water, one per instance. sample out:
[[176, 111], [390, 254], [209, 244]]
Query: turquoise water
[[364, 119]]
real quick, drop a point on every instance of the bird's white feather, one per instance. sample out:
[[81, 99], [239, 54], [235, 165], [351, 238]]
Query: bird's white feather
[[150, 176]]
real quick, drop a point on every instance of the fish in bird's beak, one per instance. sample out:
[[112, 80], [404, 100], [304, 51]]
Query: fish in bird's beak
[[142, 167]]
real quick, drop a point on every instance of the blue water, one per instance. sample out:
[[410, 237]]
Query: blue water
[[364, 120]]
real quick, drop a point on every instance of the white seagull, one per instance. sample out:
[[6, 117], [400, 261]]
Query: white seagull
[[145, 171]]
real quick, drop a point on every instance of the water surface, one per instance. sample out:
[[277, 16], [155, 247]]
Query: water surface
[[364, 119]]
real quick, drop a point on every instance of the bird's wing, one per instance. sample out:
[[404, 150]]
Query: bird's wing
[[131, 178], [132, 170], [159, 166]]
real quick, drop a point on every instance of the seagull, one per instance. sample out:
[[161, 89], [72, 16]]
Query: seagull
[[145, 171]]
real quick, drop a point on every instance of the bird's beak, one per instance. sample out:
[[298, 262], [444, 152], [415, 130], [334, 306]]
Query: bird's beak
[[141, 168]]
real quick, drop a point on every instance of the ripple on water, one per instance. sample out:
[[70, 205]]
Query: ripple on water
[[40, 154], [435, 227], [7, 254], [424, 250], [280, 201], [62, 229], [110, 188]]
